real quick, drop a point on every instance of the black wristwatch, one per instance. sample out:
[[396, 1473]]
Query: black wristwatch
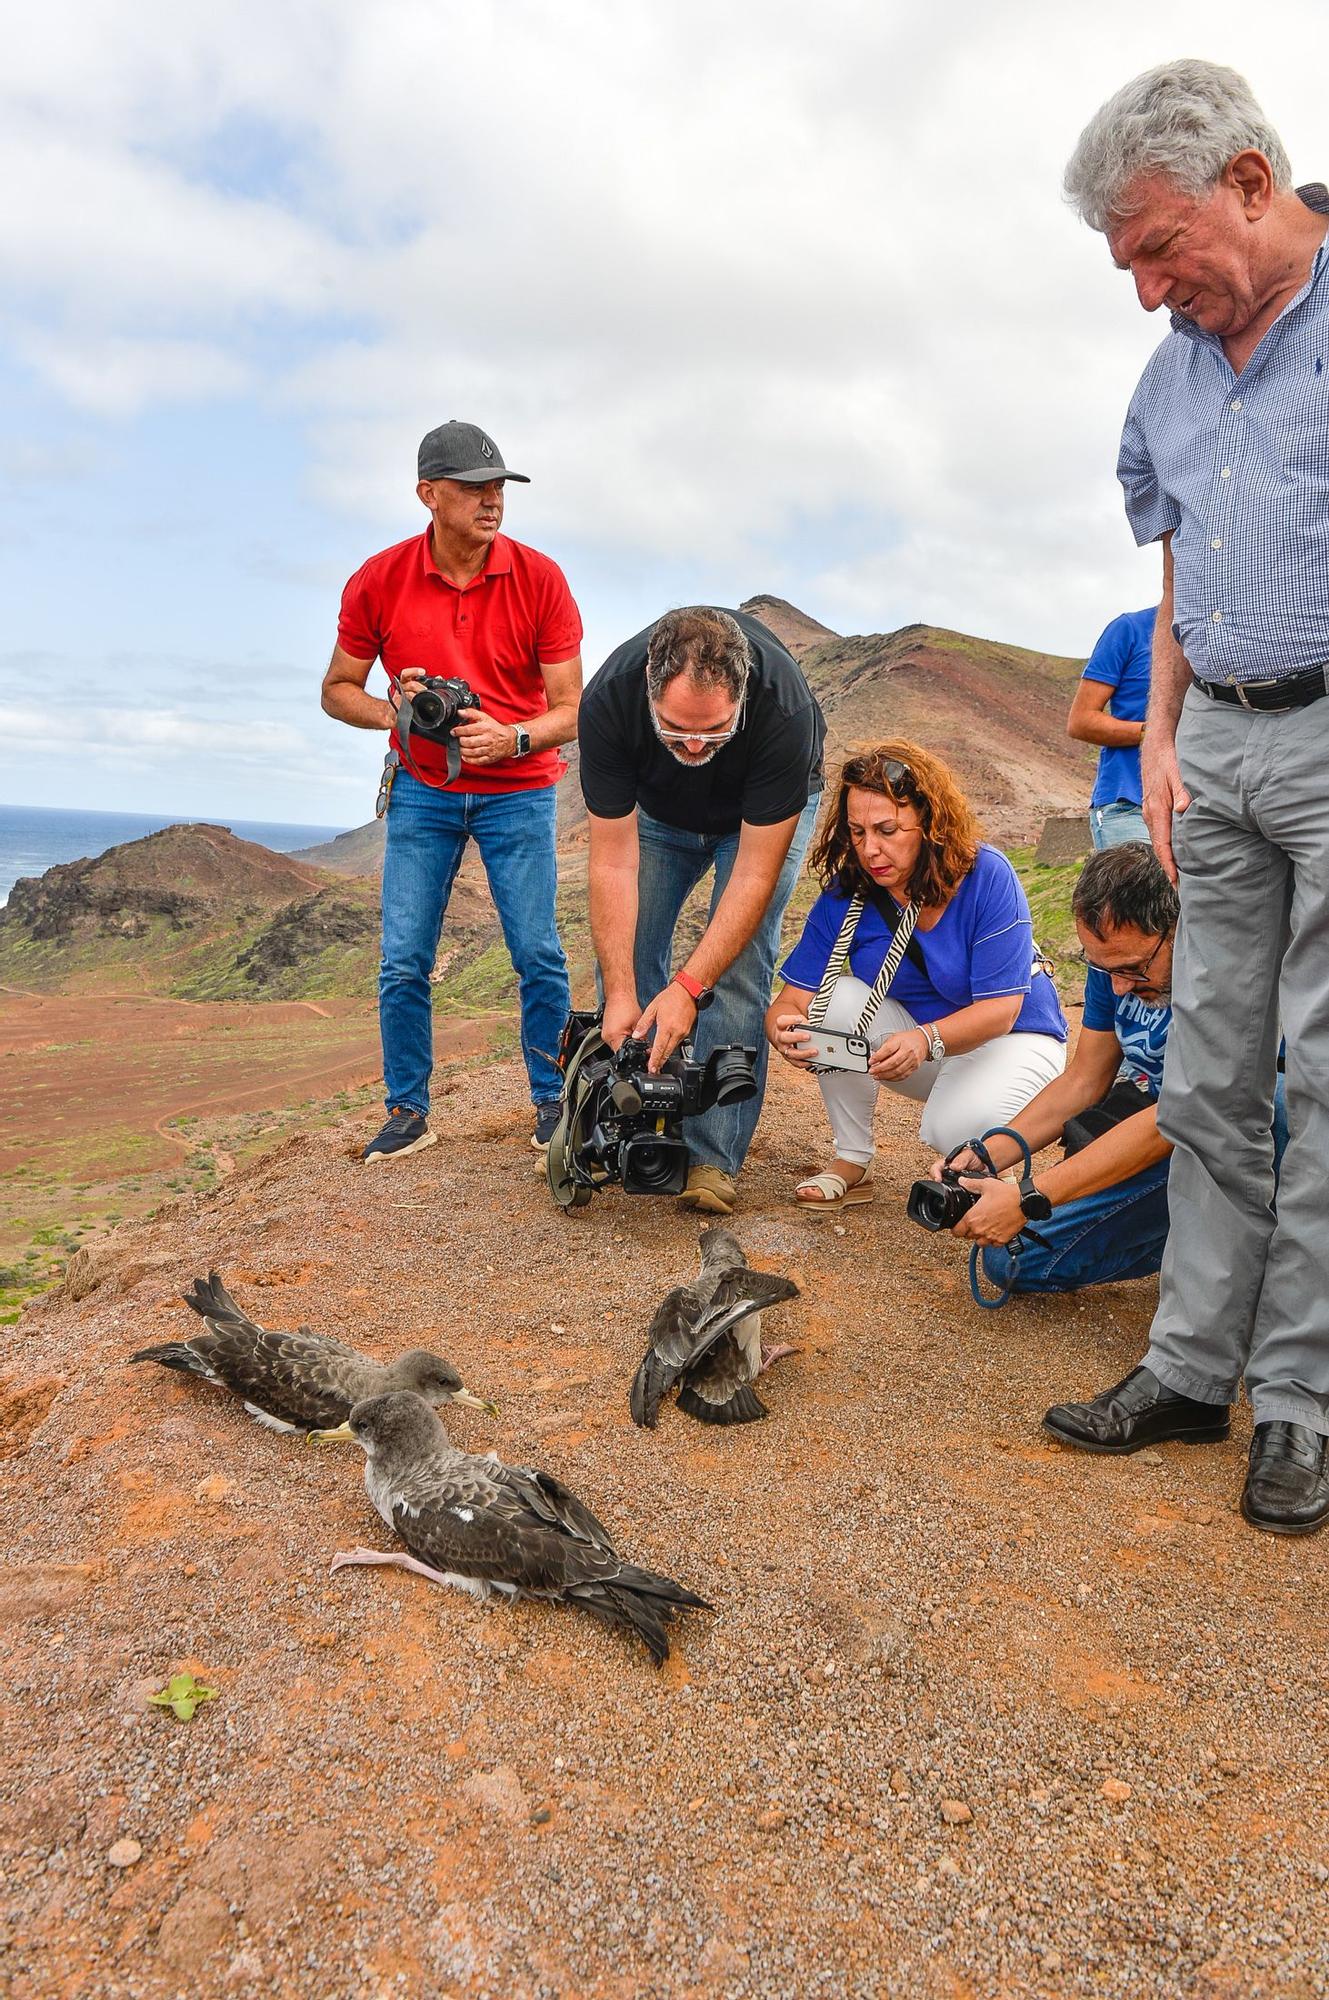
[[1033, 1201], [523, 737]]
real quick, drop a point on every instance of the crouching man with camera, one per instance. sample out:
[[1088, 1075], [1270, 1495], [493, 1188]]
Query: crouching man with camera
[[1100, 1213], [480, 639], [701, 751]]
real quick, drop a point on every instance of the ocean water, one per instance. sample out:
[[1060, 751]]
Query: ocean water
[[34, 838]]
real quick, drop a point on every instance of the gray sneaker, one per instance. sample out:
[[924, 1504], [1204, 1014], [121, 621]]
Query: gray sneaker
[[405, 1132], [546, 1124]]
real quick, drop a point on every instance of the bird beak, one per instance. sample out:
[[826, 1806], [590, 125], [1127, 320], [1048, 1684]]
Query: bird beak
[[473, 1402], [343, 1433]]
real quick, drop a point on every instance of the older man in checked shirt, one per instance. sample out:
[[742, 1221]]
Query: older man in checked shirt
[[1225, 461]]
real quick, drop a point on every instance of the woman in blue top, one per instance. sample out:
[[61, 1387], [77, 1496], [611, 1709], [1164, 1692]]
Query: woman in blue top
[[970, 1026]]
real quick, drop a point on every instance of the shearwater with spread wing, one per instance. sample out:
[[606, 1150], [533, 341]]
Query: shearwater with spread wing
[[706, 1337]]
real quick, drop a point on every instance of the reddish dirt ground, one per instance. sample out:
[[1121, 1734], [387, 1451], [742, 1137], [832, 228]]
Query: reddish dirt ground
[[971, 1716]]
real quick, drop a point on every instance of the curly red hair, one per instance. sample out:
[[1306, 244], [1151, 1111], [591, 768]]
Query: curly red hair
[[912, 776]]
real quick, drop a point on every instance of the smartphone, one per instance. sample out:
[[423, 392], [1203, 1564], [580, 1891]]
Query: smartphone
[[832, 1049]]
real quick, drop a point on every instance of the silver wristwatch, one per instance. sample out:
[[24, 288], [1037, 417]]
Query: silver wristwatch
[[936, 1046], [523, 737]]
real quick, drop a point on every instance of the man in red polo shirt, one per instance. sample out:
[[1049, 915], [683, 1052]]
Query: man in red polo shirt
[[464, 601]]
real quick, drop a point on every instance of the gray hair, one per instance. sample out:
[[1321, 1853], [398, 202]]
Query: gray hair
[[708, 645], [1183, 122], [1125, 885]]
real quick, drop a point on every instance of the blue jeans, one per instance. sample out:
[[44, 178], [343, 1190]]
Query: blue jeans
[[671, 863], [427, 832], [1116, 822], [1117, 1233]]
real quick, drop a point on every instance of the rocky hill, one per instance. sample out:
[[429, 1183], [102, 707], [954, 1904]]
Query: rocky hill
[[198, 914]]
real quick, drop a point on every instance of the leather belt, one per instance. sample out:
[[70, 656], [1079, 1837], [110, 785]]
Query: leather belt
[[1270, 697]]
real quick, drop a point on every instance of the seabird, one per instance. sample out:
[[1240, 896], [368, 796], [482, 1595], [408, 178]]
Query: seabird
[[296, 1381], [706, 1336], [484, 1526]]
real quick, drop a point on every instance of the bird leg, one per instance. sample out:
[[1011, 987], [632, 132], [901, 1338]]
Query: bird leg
[[398, 1559], [394, 1559], [770, 1355]]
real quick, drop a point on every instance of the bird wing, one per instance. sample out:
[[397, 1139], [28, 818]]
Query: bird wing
[[764, 1288], [549, 1501], [717, 1387], [670, 1339], [467, 1517], [301, 1378], [682, 1329]]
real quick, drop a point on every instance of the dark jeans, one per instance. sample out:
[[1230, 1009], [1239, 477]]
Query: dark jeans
[[427, 831], [671, 862]]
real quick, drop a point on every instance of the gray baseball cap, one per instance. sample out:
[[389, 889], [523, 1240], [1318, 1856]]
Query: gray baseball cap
[[464, 452]]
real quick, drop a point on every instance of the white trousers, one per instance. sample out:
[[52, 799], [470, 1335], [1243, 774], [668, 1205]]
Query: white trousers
[[964, 1095]]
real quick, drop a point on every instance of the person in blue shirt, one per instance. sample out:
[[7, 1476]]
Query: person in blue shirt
[[1108, 709], [1108, 1196], [970, 1025]]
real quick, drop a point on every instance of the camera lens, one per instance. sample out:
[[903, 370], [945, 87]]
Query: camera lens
[[428, 708], [651, 1165], [735, 1076]]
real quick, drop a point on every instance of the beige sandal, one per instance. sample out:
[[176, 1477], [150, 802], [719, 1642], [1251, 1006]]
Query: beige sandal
[[835, 1191]]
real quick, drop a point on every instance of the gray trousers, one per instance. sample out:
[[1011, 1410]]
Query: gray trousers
[[1242, 1291]]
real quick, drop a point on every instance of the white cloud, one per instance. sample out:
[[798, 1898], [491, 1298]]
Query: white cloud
[[748, 291]]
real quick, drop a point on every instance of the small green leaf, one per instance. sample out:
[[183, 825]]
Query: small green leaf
[[182, 1695]]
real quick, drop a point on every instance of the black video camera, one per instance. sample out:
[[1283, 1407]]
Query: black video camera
[[433, 711], [620, 1123]]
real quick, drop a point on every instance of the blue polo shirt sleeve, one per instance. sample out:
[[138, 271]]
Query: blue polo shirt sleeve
[[1152, 513], [1100, 1002], [1001, 952], [806, 963], [1112, 655]]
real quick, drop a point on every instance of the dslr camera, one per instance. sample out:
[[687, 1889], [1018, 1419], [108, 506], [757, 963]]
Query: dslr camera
[[433, 711], [621, 1124], [939, 1204]]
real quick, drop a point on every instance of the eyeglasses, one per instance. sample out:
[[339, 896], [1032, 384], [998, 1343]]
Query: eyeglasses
[[1134, 975], [706, 736]]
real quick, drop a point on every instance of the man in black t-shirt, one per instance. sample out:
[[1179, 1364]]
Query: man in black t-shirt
[[701, 748]]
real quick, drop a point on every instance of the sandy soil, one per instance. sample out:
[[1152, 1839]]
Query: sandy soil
[[971, 1716]]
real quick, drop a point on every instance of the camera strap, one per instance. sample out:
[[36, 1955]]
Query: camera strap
[[1017, 1242], [405, 724], [839, 959]]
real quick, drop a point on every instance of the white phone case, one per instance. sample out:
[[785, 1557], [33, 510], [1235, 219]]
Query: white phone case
[[832, 1049]]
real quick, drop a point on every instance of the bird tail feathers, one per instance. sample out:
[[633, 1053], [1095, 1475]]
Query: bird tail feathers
[[638, 1601], [744, 1406]]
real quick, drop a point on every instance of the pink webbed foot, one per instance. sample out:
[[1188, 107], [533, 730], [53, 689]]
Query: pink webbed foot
[[770, 1355]]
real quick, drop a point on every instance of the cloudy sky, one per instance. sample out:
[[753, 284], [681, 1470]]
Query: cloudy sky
[[763, 298]]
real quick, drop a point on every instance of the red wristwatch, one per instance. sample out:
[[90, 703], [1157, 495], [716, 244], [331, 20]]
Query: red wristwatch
[[699, 995]]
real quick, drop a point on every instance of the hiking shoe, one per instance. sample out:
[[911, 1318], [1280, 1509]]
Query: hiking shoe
[[709, 1189], [546, 1124], [405, 1132]]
